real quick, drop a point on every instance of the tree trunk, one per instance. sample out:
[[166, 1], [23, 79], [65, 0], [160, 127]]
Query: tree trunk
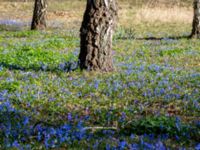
[[96, 35], [39, 15], [196, 20]]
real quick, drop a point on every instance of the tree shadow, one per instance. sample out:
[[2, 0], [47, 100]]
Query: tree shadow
[[62, 67], [164, 38]]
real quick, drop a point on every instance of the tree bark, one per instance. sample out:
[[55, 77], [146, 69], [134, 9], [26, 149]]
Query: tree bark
[[196, 20], [96, 35], [39, 15]]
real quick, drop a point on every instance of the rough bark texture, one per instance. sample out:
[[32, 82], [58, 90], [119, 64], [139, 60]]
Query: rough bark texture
[[196, 20], [96, 35], [39, 15]]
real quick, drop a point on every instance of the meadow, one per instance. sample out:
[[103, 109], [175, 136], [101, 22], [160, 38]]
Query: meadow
[[151, 100]]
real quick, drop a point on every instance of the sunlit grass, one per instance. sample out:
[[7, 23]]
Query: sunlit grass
[[151, 100]]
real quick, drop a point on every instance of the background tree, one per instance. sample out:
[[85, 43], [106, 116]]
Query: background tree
[[96, 35], [39, 15], [196, 20]]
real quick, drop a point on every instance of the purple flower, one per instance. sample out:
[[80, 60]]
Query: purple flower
[[69, 116], [160, 146], [132, 136], [123, 117], [96, 84], [62, 66]]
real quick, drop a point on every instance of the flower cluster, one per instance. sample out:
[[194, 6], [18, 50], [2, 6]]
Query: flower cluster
[[150, 102]]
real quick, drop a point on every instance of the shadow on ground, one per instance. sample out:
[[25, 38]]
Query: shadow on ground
[[63, 67], [165, 38]]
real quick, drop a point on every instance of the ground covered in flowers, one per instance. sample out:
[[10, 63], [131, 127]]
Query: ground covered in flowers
[[151, 101]]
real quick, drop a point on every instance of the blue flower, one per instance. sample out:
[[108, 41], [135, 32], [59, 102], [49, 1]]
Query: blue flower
[[44, 66], [108, 147], [134, 146], [16, 144], [132, 136], [160, 145], [26, 121], [122, 144], [148, 145], [197, 147], [1, 68]]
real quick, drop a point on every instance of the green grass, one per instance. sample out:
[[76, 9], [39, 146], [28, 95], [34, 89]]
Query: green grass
[[153, 78]]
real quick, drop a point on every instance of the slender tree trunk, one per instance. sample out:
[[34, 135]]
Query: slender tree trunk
[[39, 15], [196, 20], [96, 35]]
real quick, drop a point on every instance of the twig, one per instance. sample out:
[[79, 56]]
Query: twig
[[99, 128]]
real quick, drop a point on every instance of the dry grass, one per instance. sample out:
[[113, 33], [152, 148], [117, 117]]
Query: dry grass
[[156, 11], [164, 14], [69, 13]]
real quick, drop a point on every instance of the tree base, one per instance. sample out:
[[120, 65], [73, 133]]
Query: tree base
[[96, 35]]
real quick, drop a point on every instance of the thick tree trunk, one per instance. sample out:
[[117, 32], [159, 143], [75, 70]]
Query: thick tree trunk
[[96, 35], [196, 20], [39, 15]]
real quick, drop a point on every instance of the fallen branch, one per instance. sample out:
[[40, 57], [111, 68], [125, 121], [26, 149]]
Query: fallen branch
[[99, 128]]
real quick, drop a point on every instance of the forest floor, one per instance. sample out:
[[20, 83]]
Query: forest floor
[[151, 101]]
